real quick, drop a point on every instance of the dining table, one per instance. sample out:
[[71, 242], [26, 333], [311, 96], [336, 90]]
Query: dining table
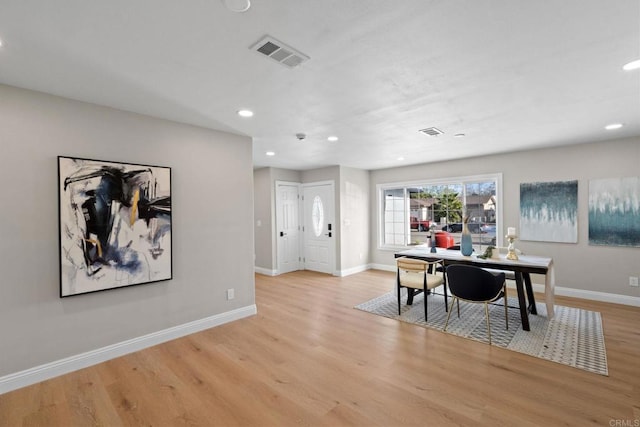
[[522, 269]]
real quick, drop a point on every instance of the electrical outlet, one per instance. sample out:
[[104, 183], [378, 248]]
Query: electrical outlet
[[230, 294], [633, 281]]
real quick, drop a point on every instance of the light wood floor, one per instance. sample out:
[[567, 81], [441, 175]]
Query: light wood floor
[[309, 358]]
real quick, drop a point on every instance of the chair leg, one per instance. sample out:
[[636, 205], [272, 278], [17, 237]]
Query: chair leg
[[458, 301], [425, 305], [399, 301], [506, 312], [453, 301], [446, 306], [486, 313]]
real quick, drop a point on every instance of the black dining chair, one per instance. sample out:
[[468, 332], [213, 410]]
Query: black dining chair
[[474, 284]]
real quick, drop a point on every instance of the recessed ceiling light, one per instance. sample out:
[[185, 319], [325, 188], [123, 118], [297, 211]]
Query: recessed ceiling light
[[613, 126], [633, 65], [245, 113], [459, 135], [270, 153], [1, 43], [400, 159], [332, 138], [237, 5]]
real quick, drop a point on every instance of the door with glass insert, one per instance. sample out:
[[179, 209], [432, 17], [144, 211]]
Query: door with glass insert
[[319, 228]]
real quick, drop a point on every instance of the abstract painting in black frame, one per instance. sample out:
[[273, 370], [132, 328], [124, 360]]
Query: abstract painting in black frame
[[114, 223]]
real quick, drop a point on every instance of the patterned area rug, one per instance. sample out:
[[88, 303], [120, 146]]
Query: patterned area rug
[[573, 337]]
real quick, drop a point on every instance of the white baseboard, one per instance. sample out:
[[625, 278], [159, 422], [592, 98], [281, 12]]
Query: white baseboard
[[354, 270], [73, 363], [265, 271], [337, 273], [383, 267], [590, 295]]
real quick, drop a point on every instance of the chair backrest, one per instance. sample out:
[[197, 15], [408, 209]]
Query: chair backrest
[[474, 283], [412, 265]]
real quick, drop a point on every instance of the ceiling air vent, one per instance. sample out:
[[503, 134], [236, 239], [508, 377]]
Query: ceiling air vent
[[279, 52], [431, 131]]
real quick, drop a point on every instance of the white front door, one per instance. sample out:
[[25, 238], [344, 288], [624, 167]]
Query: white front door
[[287, 227], [319, 227]]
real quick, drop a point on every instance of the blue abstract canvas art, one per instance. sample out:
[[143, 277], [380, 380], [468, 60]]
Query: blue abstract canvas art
[[614, 212], [115, 225], [549, 211]]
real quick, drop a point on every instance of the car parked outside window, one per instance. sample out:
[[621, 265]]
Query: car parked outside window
[[487, 232], [456, 227]]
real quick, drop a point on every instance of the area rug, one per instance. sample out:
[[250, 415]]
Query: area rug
[[574, 337]]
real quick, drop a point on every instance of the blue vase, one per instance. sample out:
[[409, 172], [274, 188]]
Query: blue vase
[[432, 243], [466, 245]]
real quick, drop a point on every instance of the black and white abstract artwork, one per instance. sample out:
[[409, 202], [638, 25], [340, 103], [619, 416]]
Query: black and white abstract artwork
[[549, 211], [115, 225], [614, 212]]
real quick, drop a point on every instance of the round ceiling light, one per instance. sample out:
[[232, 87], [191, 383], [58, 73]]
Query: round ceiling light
[[633, 65], [332, 138], [613, 126], [245, 113], [270, 153], [237, 5]]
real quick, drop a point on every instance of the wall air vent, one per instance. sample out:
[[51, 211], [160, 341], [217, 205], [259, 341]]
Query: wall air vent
[[431, 131], [279, 52]]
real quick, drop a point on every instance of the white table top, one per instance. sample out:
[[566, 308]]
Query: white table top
[[523, 260]]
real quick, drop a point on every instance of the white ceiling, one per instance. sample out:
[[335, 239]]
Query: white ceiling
[[510, 74]]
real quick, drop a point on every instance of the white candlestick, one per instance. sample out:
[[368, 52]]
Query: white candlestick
[[511, 231]]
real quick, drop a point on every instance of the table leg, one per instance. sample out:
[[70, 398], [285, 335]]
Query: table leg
[[530, 296], [522, 302], [410, 292]]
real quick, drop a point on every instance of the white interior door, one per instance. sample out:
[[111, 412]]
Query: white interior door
[[319, 227], [288, 226]]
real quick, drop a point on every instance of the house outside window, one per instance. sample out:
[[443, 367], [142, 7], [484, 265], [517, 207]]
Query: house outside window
[[410, 210]]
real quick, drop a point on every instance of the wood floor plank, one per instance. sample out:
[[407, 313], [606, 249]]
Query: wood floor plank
[[309, 358]]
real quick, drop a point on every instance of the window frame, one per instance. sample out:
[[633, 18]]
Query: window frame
[[455, 180]]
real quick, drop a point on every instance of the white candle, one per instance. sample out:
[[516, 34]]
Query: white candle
[[511, 231]]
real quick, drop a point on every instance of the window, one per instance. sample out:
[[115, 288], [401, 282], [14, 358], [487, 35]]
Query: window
[[394, 216], [410, 210], [317, 216]]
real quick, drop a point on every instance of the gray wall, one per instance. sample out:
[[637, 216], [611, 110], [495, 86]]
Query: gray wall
[[354, 218], [212, 245], [578, 266], [262, 196]]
